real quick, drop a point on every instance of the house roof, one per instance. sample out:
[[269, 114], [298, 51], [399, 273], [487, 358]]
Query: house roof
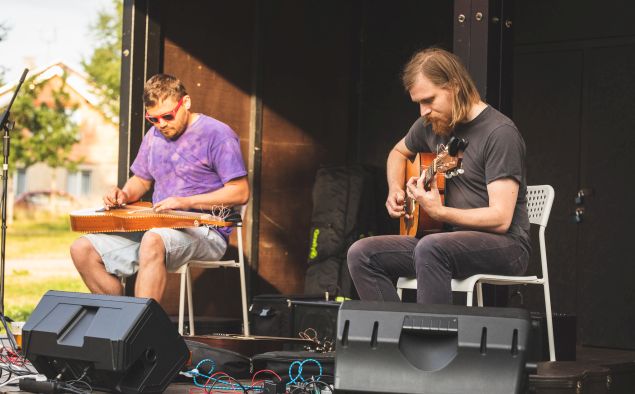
[[76, 80]]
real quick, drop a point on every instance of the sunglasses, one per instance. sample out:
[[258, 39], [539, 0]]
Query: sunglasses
[[168, 116]]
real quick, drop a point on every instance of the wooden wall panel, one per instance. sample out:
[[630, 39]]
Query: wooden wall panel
[[392, 32], [306, 95], [331, 95], [208, 46]]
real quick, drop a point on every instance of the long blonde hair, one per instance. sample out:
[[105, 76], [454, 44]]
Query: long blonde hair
[[444, 70]]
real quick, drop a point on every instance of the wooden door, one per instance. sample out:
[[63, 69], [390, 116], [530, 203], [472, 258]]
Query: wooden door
[[574, 102], [606, 290], [547, 112]]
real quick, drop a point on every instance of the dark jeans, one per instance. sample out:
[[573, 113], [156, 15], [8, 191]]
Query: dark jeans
[[375, 263]]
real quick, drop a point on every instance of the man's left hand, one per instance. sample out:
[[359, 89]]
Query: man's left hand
[[430, 200], [170, 203]]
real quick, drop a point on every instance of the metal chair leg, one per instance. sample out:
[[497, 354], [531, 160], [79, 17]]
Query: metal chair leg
[[182, 299], [190, 304]]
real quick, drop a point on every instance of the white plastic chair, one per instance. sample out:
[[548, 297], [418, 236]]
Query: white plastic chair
[[186, 280], [539, 201]]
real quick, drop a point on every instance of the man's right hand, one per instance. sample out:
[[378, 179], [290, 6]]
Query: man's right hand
[[115, 197], [395, 203]]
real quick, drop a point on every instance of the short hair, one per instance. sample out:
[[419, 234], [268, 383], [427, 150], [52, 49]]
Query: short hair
[[161, 87], [445, 70]]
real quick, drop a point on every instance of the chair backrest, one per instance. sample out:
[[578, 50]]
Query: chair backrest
[[539, 201]]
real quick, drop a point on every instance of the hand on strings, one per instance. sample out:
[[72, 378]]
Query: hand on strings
[[115, 198], [171, 203], [429, 200], [395, 204]]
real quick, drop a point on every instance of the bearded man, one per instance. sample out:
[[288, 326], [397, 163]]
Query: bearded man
[[485, 211], [193, 163]]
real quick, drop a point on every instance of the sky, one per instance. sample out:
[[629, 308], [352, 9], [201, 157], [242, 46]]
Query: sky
[[44, 31]]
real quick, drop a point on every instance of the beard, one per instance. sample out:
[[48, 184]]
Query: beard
[[440, 125], [172, 133]]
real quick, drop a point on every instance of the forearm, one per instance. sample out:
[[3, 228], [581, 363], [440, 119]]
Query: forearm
[[135, 188], [395, 171], [231, 194], [489, 219]]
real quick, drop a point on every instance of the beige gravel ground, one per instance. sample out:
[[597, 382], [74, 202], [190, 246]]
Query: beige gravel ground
[[42, 267]]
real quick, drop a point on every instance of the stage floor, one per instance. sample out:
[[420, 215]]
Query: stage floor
[[585, 356]]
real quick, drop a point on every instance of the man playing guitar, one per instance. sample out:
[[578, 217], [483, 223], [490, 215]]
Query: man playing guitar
[[485, 209]]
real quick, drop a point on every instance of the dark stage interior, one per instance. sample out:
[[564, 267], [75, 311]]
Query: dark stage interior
[[309, 85]]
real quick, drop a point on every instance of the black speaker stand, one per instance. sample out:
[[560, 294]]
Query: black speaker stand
[[6, 126]]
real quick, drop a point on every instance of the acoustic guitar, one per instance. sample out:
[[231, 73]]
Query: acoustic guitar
[[446, 164], [139, 216]]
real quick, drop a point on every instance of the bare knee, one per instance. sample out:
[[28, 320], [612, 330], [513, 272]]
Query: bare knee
[[83, 253], [152, 249]]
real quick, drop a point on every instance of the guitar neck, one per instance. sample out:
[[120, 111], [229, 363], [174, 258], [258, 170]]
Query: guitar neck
[[429, 175]]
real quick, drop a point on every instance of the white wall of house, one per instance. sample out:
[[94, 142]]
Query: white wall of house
[[97, 149]]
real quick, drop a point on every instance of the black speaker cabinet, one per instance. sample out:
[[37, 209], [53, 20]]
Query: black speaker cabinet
[[320, 316], [386, 347], [121, 344]]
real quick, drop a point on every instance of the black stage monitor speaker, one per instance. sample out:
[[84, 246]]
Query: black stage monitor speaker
[[121, 344], [386, 347]]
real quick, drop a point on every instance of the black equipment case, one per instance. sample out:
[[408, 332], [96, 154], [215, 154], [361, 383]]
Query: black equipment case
[[568, 377]]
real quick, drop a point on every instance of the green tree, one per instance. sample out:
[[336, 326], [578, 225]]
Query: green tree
[[3, 34], [44, 130], [104, 65]]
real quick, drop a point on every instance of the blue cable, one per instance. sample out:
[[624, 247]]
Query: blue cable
[[231, 386], [300, 365]]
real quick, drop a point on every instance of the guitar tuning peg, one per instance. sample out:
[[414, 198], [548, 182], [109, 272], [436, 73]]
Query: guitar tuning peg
[[448, 175], [460, 171]]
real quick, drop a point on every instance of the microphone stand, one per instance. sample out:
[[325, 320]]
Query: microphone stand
[[6, 126]]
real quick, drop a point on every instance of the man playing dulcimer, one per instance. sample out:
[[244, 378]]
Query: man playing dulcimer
[[485, 210], [195, 164]]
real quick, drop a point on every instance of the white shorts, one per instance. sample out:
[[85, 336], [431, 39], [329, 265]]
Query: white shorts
[[120, 251]]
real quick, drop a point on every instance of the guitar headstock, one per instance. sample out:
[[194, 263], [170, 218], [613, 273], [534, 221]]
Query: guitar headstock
[[455, 148], [448, 160]]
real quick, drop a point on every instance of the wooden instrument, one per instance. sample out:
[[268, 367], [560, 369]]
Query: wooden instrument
[[249, 346], [432, 167], [138, 216]]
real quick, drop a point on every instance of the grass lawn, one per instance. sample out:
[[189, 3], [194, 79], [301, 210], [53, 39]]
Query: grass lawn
[[47, 238], [43, 239], [23, 294]]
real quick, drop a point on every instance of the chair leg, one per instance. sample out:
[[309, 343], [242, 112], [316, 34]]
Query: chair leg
[[243, 286], [479, 293], [399, 292], [182, 301], [469, 298], [552, 349], [190, 304]]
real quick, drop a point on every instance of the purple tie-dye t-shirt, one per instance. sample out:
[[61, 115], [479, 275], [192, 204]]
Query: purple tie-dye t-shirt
[[204, 158]]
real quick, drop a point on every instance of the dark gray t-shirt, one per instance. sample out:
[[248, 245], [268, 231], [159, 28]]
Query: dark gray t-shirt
[[496, 150]]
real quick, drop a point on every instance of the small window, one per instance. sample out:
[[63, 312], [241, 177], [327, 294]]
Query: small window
[[79, 183], [20, 181], [85, 182]]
